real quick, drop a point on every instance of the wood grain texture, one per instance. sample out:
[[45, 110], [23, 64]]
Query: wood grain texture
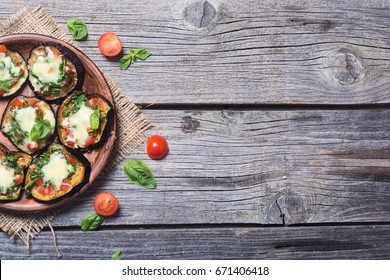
[[308, 52], [369, 242], [310, 166]]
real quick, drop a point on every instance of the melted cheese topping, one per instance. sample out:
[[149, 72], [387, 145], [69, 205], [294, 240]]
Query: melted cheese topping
[[47, 68], [56, 170], [26, 118], [80, 122], [6, 178], [7, 67]]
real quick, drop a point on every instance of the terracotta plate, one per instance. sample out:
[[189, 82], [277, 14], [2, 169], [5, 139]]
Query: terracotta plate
[[94, 82]]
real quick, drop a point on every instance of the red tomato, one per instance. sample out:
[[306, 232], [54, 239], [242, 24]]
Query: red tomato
[[16, 103], [70, 160], [109, 44], [90, 140], [32, 102], [33, 146], [3, 49], [38, 182], [106, 204], [1, 92], [18, 179], [157, 147], [66, 185]]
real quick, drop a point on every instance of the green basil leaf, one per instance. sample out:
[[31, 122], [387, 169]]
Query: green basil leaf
[[142, 54], [95, 119], [129, 59], [77, 28], [4, 85], [91, 222], [139, 173], [117, 255], [40, 130], [126, 61]]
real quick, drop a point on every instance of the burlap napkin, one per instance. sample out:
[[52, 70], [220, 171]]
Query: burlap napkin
[[131, 122]]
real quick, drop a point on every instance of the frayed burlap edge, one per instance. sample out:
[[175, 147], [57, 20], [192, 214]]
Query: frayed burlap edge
[[131, 124]]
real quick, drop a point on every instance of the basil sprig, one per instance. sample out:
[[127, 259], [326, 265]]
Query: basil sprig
[[95, 119], [129, 59], [77, 28], [139, 173], [40, 130], [117, 255], [91, 222]]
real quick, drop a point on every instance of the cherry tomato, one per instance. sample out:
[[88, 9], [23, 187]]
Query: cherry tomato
[[156, 147], [38, 182], [3, 49], [33, 146], [16, 103], [1, 92], [32, 102], [106, 204], [109, 44], [71, 160], [18, 179]]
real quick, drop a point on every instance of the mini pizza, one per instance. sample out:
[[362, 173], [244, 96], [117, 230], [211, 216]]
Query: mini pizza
[[29, 123], [52, 74], [56, 173], [84, 121], [13, 71], [12, 165]]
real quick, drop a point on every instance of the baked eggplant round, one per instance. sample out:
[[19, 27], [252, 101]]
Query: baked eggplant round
[[13, 71], [84, 121], [52, 74], [12, 165], [56, 173], [29, 123]]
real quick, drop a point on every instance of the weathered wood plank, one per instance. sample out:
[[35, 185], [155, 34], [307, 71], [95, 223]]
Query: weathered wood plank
[[312, 166], [322, 242], [309, 52]]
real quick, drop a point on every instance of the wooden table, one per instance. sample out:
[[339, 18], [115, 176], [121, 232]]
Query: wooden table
[[277, 115]]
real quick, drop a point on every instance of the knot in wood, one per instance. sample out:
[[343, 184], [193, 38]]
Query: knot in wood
[[200, 14], [345, 66]]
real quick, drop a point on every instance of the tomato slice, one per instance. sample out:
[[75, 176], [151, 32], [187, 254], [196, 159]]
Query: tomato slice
[[38, 182], [3, 49], [32, 101], [16, 102], [65, 185], [109, 44], [90, 141], [70, 160], [106, 204], [18, 179], [93, 101], [157, 147]]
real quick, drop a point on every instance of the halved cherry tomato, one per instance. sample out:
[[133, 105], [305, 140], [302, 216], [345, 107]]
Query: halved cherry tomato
[[65, 185], [18, 179], [93, 101], [1, 92], [157, 147], [109, 44], [33, 146], [90, 141], [3, 49], [106, 204], [48, 190], [16, 102]]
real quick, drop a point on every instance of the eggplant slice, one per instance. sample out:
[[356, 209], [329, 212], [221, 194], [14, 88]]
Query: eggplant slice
[[29, 123], [12, 165], [56, 173], [84, 121], [13, 72], [52, 74]]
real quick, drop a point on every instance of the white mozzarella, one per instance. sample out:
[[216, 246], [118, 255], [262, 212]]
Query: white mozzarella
[[80, 123], [6, 177], [56, 170], [26, 118], [47, 68]]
